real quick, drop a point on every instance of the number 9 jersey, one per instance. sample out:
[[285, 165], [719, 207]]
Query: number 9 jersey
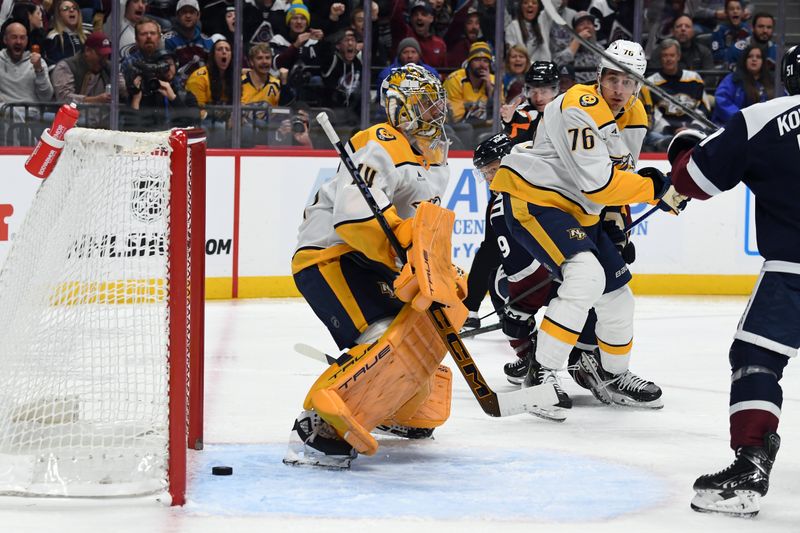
[[582, 157]]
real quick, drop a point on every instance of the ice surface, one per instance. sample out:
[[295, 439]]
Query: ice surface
[[604, 469]]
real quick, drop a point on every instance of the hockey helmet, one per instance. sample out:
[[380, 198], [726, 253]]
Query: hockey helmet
[[542, 74], [628, 54], [490, 150], [415, 102], [790, 70]]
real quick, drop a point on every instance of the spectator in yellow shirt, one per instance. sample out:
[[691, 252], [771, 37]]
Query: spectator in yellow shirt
[[470, 89]]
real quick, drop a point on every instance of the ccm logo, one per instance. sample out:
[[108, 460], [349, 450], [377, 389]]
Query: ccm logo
[[6, 210]]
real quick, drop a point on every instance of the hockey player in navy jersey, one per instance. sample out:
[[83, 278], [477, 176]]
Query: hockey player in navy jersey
[[390, 376], [769, 331], [580, 161]]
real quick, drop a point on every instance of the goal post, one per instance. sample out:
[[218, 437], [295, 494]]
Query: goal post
[[101, 321]]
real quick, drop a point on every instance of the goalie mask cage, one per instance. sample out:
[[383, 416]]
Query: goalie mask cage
[[101, 321]]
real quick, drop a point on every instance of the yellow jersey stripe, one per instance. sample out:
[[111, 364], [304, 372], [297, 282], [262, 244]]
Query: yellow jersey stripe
[[565, 335], [332, 272], [615, 349], [622, 188], [520, 211], [306, 257]]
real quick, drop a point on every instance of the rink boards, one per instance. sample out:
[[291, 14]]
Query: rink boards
[[255, 202]]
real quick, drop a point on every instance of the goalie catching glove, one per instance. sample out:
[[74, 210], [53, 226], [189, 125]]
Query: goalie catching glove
[[429, 276], [668, 199]]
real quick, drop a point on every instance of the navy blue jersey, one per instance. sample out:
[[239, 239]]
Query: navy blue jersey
[[760, 147], [517, 262]]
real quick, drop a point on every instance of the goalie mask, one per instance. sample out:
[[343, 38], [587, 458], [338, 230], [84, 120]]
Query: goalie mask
[[630, 55], [415, 102]]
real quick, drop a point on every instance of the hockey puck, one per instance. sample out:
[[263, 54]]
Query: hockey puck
[[221, 470]]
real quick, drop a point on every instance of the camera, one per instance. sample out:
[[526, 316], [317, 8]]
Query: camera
[[152, 73], [299, 124]]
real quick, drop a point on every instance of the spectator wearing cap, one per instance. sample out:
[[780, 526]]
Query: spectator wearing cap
[[408, 51], [24, 74], [189, 45], [525, 29], [578, 56], [263, 20], [67, 36], [470, 89], [299, 51], [462, 33], [164, 103], [132, 12], [342, 78], [434, 49], [83, 77]]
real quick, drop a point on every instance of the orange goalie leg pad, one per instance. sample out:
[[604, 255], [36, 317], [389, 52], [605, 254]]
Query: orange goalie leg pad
[[434, 410], [375, 384]]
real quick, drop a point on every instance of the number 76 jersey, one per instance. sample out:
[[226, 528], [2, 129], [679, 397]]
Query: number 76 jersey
[[582, 157]]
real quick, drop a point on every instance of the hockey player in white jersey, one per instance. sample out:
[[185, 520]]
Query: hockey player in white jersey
[[344, 266], [581, 160]]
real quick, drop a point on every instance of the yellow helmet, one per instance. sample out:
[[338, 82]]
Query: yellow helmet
[[415, 102]]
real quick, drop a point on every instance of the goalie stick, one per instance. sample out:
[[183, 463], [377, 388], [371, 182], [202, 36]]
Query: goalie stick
[[597, 49], [492, 403], [479, 331]]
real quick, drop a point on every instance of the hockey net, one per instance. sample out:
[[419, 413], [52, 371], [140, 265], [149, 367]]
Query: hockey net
[[101, 302]]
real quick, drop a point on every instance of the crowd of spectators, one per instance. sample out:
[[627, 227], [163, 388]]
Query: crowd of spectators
[[177, 59]]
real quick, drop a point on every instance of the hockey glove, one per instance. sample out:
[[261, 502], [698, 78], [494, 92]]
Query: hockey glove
[[683, 140], [669, 199], [614, 220]]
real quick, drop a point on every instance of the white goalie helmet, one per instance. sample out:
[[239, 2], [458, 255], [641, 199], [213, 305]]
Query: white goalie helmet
[[628, 54]]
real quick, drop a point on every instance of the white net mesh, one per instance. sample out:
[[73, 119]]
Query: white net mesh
[[84, 324]]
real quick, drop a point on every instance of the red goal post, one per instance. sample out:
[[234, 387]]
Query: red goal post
[[101, 321]]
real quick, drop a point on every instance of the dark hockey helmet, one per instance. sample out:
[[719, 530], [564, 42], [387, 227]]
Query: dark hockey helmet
[[492, 149], [542, 74], [790, 70]]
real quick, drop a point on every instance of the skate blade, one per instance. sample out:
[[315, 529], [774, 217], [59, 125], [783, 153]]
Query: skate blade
[[514, 381], [743, 504], [328, 462], [553, 415], [624, 401]]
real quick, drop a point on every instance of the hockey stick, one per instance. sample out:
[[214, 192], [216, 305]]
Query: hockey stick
[[630, 226], [492, 403], [597, 49], [479, 331]]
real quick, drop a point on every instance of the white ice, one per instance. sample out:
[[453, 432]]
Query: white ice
[[604, 469]]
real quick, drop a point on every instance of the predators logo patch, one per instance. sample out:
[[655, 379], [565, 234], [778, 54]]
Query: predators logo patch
[[587, 100], [576, 233], [384, 135]]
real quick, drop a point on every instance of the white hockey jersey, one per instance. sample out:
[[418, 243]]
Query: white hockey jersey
[[338, 219], [582, 157]]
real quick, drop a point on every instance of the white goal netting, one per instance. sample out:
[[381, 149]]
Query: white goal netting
[[84, 324]]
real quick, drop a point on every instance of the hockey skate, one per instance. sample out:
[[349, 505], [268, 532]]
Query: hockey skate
[[515, 372], [406, 432], [473, 321], [313, 442], [626, 389], [737, 490], [538, 375]]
